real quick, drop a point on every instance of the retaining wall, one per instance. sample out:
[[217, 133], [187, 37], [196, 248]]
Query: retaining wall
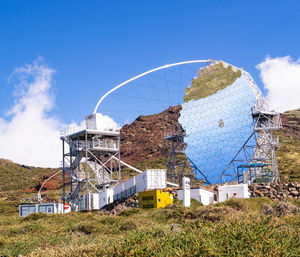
[[276, 191]]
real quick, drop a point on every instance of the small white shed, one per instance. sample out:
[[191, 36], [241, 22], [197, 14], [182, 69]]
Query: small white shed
[[233, 191]]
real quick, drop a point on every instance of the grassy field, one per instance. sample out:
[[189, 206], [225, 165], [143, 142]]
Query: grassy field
[[237, 227]]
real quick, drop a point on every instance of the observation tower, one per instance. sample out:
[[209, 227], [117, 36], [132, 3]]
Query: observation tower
[[91, 158]]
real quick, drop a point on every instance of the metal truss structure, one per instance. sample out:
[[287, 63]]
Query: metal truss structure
[[178, 163], [91, 159], [211, 150], [265, 124], [256, 159]]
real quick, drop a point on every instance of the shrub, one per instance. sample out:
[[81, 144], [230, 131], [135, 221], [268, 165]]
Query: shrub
[[85, 229], [236, 204], [127, 225], [108, 220], [129, 212], [35, 216]]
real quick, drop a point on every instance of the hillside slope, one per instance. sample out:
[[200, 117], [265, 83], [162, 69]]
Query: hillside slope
[[288, 155], [17, 178]]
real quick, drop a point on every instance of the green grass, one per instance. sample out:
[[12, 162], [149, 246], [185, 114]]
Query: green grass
[[210, 80], [234, 228]]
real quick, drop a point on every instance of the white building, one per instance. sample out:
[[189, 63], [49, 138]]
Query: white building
[[233, 191], [202, 195]]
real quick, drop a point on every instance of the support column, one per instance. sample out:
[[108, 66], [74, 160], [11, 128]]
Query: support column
[[64, 173], [86, 174]]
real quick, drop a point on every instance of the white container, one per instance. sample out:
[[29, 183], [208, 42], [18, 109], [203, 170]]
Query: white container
[[204, 196], [129, 187], [93, 202], [233, 191], [151, 179], [83, 205], [26, 209], [106, 197], [48, 208], [118, 190]]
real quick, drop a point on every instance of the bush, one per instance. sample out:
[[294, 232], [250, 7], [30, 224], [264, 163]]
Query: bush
[[108, 220], [129, 212], [127, 225], [236, 204], [85, 229], [209, 213], [35, 216], [195, 203]]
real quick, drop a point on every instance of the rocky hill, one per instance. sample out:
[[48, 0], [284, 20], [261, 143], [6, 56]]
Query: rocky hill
[[143, 139]]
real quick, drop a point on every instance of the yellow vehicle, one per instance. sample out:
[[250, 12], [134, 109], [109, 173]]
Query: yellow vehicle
[[155, 199]]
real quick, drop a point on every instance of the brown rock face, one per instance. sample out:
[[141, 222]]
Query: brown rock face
[[143, 139]]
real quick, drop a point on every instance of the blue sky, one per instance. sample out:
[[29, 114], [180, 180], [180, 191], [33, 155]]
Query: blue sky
[[94, 45]]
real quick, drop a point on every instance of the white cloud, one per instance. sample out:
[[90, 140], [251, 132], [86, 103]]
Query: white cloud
[[28, 133], [281, 78]]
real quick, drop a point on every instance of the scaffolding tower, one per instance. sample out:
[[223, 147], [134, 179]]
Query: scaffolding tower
[[91, 159], [267, 143], [257, 162], [178, 163]]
